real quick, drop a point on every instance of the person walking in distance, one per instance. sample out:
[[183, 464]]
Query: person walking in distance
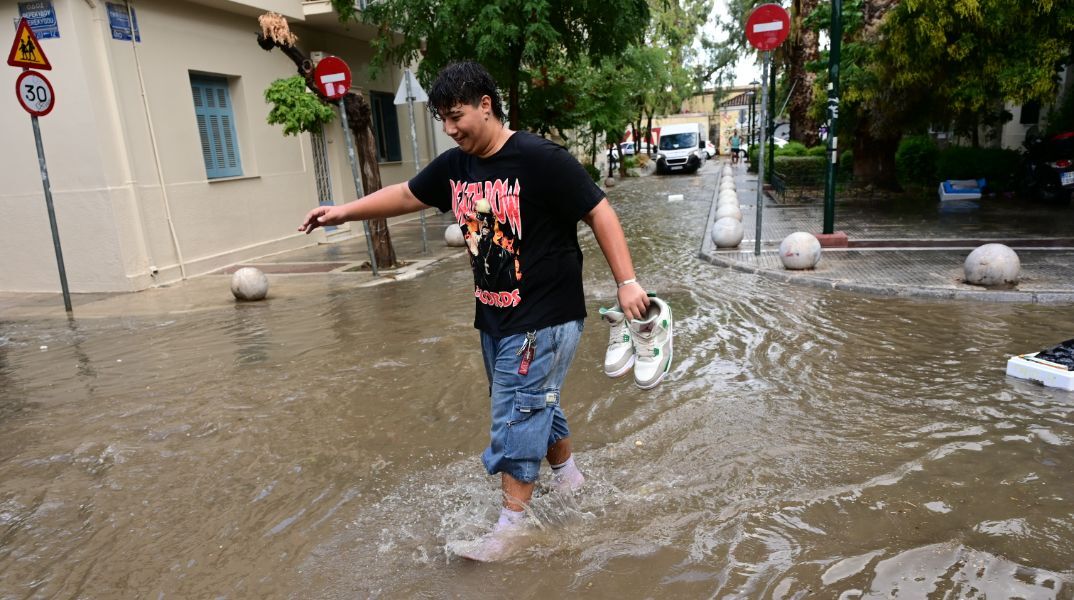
[[736, 147], [517, 198]]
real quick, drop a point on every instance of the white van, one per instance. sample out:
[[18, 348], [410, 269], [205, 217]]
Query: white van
[[681, 148]]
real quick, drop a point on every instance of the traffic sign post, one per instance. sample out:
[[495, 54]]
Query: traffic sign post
[[833, 115], [766, 28], [37, 97], [332, 77], [410, 92]]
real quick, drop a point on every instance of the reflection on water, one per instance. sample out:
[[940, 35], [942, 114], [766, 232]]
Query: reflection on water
[[326, 445]]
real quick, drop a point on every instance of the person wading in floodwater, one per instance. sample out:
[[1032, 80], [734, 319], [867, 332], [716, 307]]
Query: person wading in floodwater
[[518, 199]]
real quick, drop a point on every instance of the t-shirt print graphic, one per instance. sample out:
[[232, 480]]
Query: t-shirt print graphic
[[489, 215]]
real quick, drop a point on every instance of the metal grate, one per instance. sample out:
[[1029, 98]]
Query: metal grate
[[321, 173]]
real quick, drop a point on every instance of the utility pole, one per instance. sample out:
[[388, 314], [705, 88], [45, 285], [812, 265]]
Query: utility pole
[[833, 114]]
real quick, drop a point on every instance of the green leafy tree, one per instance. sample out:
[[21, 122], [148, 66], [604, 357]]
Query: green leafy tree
[[521, 43], [954, 63], [295, 107]]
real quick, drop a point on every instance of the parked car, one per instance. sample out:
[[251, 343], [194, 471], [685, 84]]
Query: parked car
[[627, 148], [710, 148], [1047, 171]]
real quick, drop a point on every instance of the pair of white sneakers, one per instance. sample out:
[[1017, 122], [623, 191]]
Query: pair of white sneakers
[[641, 344]]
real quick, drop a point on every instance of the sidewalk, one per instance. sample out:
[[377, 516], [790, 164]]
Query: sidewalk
[[294, 273], [910, 248]]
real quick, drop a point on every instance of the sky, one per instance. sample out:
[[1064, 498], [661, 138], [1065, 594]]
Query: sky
[[747, 69]]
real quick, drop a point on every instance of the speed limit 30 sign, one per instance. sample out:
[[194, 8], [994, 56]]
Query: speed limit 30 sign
[[35, 93]]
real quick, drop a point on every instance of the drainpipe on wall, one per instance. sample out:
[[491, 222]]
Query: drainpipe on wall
[[153, 143]]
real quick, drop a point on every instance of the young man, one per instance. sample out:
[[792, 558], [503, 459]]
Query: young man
[[518, 199]]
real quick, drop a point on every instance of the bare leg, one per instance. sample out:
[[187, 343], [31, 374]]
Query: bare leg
[[559, 452], [516, 494]]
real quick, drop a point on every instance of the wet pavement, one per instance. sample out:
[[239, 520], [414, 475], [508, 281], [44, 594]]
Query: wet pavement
[[908, 247], [324, 443]]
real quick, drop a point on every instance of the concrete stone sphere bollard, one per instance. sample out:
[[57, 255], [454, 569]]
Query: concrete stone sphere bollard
[[992, 264], [453, 237], [799, 251], [729, 210], [249, 284], [727, 184], [609, 182], [727, 196], [727, 233]]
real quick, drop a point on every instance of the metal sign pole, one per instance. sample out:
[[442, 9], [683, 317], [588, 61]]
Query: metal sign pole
[[414, 144], [357, 183], [51, 213], [760, 153], [833, 114]]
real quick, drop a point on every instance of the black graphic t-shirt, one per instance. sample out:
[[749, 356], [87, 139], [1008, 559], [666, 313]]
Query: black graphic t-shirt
[[519, 211]]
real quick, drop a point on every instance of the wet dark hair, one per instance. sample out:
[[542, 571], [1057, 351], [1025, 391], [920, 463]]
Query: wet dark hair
[[463, 82]]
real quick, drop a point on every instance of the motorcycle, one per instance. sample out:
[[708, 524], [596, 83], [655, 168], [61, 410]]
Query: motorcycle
[[1048, 167]]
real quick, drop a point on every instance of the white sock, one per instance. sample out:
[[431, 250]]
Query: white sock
[[510, 518], [565, 464]]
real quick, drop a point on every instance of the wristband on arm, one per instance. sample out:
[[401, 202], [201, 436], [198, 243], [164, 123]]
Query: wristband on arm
[[627, 282]]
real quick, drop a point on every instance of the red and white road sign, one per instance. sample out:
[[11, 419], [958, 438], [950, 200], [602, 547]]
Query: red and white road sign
[[26, 51], [333, 77], [767, 27], [35, 93]]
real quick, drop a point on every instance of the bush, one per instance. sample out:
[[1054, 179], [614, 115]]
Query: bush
[[915, 160], [753, 158], [630, 161], [846, 165], [792, 149], [593, 171], [803, 171], [818, 150], [995, 165]]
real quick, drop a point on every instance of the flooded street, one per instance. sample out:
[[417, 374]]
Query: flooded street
[[325, 444]]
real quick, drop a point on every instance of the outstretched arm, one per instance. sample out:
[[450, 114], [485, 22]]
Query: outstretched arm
[[386, 202], [609, 233]]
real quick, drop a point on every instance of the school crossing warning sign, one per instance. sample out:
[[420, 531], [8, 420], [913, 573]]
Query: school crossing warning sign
[[26, 51]]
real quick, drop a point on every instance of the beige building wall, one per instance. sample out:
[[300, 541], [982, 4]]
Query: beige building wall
[[134, 205]]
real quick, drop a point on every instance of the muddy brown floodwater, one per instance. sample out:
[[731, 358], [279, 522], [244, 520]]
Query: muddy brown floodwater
[[807, 443]]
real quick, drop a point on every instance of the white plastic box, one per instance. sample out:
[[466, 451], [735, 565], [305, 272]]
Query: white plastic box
[[1027, 366]]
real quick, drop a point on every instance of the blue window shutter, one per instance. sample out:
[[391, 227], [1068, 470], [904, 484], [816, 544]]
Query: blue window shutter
[[216, 126]]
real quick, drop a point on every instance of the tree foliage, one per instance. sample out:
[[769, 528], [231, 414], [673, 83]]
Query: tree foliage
[[296, 108], [525, 45]]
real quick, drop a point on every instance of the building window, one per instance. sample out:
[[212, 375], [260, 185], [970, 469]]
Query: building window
[[1030, 113], [216, 126], [385, 127]]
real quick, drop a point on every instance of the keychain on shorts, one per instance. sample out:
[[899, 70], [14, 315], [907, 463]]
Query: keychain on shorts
[[528, 349]]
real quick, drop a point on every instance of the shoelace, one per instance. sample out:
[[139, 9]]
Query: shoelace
[[619, 333], [644, 345]]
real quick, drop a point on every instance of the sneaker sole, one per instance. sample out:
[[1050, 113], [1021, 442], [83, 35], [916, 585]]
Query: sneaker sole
[[623, 371]]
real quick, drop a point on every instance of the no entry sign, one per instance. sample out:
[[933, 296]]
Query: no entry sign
[[767, 27], [35, 93], [333, 77]]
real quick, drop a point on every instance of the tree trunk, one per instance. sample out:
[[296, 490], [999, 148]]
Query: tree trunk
[[803, 49], [359, 115], [649, 134], [874, 160]]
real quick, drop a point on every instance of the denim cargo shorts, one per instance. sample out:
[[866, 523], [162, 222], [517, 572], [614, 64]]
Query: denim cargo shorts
[[526, 416]]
